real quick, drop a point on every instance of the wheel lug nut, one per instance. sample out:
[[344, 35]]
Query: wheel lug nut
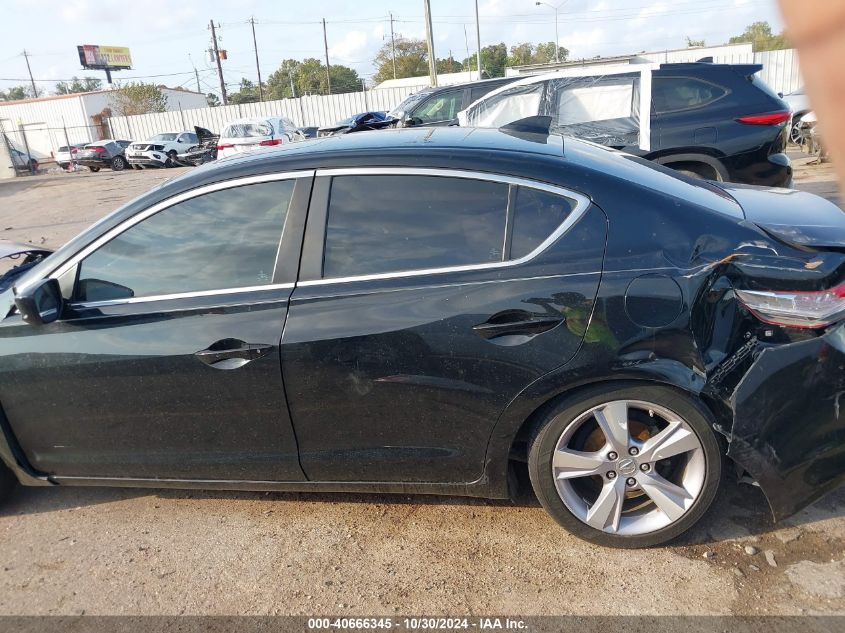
[[611, 475], [634, 450], [611, 455], [645, 468], [631, 481]]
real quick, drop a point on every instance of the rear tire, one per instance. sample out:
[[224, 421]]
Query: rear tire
[[632, 499], [118, 163], [8, 481], [94, 169]]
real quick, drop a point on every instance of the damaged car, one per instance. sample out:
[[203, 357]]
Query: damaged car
[[361, 122], [430, 310]]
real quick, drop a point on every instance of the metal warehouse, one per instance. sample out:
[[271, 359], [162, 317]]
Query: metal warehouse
[[46, 123]]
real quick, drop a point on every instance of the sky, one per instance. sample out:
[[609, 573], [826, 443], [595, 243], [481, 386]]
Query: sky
[[168, 38]]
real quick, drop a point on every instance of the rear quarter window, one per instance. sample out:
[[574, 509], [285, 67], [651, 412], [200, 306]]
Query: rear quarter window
[[676, 94]]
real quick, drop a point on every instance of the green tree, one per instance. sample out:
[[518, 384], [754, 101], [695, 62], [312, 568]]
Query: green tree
[[691, 42], [521, 54], [449, 65], [494, 58], [247, 93], [545, 53], [212, 100], [761, 37], [411, 59], [76, 85], [309, 77], [16, 93], [137, 98]]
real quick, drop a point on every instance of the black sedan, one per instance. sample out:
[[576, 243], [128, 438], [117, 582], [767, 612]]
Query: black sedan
[[105, 153], [425, 310]]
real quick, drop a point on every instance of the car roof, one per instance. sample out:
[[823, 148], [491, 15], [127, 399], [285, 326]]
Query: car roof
[[412, 140]]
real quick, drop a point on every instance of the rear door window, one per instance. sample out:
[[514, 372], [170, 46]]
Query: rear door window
[[537, 215], [676, 94], [390, 223]]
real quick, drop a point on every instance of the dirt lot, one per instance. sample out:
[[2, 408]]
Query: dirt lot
[[99, 551]]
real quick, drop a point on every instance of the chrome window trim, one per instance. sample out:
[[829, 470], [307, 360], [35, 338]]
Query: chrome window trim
[[65, 266], [179, 295], [582, 203]]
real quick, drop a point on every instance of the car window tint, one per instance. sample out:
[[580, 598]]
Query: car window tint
[[536, 216], [224, 239], [382, 224], [442, 107], [674, 94]]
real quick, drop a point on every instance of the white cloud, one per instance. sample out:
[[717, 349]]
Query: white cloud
[[352, 45]]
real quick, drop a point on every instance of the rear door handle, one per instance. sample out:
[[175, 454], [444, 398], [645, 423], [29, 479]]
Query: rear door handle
[[516, 322], [232, 353]]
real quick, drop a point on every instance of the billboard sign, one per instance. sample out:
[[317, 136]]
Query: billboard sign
[[95, 57]]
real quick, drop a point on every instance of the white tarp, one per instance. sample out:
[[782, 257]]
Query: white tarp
[[603, 105]]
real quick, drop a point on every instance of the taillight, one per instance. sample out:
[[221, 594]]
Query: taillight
[[274, 141], [225, 146], [73, 151], [796, 309], [770, 118], [98, 150]]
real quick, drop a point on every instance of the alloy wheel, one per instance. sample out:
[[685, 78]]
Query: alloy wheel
[[628, 467]]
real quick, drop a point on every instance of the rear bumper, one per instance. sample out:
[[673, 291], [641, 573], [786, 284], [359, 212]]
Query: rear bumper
[[789, 421], [772, 170]]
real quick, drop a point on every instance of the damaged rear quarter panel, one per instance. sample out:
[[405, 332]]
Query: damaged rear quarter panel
[[789, 421]]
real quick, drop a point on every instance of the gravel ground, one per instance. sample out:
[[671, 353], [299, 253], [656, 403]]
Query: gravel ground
[[115, 551]]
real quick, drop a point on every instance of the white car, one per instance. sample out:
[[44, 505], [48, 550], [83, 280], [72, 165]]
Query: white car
[[66, 154], [800, 106], [244, 135], [160, 150]]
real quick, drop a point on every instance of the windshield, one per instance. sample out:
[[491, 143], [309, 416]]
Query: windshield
[[167, 136], [409, 102], [247, 130]]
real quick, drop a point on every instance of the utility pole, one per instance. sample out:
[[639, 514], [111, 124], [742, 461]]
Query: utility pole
[[196, 72], [257, 67], [478, 39], [429, 36], [393, 45], [219, 65], [326, 46], [31, 80]]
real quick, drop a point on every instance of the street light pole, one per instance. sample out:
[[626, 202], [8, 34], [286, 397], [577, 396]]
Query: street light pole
[[557, 34]]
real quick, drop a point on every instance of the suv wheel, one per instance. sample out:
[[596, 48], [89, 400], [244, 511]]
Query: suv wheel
[[626, 467], [171, 159], [7, 482]]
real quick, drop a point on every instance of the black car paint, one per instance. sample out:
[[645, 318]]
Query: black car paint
[[361, 122], [681, 245]]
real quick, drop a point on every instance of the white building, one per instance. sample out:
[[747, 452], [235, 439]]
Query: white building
[[48, 123], [443, 79]]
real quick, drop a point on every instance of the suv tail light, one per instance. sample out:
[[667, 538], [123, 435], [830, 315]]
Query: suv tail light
[[796, 309], [274, 141], [224, 146], [770, 118]]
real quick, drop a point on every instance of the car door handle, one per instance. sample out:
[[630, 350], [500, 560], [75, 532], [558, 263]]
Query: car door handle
[[516, 322], [232, 353]]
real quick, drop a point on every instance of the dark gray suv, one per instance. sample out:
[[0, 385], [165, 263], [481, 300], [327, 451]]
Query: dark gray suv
[[440, 106]]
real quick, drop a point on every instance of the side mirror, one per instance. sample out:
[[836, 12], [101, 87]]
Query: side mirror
[[42, 303], [780, 94]]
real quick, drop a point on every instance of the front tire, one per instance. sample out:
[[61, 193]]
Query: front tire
[[7, 482], [171, 159], [626, 467], [118, 163]]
